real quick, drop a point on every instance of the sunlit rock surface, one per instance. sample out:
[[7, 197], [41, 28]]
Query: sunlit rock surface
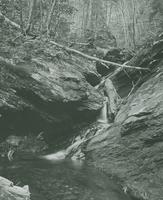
[[132, 147], [10, 192]]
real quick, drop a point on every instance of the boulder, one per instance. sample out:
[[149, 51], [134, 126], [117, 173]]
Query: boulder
[[147, 57], [10, 192], [45, 89], [132, 148]]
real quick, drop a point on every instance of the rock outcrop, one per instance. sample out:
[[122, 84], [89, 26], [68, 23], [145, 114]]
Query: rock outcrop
[[132, 147], [45, 89], [10, 192]]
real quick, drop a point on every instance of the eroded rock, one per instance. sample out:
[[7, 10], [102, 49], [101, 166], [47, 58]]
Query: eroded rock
[[10, 192], [46, 92], [132, 148]]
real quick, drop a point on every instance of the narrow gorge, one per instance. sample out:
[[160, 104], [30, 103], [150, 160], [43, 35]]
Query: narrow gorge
[[80, 119]]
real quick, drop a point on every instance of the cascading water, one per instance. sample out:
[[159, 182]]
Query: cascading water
[[103, 117], [60, 155]]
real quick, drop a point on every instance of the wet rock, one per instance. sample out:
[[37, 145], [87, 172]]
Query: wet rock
[[132, 148], [147, 57], [10, 192], [74, 150], [47, 92]]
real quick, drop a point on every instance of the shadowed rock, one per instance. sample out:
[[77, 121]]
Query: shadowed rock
[[132, 147], [47, 92]]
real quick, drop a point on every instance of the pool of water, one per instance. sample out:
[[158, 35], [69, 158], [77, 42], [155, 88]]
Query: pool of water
[[64, 180]]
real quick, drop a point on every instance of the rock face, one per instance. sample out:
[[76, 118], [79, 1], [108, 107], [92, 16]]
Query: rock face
[[44, 89], [147, 57], [10, 192], [48, 90], [132, 147]]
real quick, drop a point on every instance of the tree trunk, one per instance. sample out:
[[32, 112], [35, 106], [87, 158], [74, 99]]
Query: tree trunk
[[41, 17], [95, 58], [8, 21], [133, 24], [31, 15], [21, 16], [50, 16]]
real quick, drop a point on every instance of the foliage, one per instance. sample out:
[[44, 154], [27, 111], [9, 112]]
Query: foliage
[[131, 22], [157, 6], [124, 23], [18, 11]]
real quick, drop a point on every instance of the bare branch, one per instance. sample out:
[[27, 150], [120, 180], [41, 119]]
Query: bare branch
[[95, 58], [133, 87], [80, 53], [8, 21]]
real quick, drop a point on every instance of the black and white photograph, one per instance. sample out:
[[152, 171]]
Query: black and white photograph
[[81, 99]]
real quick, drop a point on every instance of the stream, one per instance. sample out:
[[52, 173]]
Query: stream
[[63, 180]]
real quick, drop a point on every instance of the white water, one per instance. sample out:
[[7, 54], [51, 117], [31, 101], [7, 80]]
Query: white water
[[60, 155], [103, 114]]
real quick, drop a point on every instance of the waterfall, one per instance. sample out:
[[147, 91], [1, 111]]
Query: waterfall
[[58, 156], [103, 117], [73, 148], [61, 155]]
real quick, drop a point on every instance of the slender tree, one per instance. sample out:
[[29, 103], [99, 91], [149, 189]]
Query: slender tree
[[54, 3], [32, 6]]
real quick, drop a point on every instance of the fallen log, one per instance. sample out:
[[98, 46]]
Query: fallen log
[[76, 51], [113, 100], [95, 58], [8, 21], [117, 71]]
